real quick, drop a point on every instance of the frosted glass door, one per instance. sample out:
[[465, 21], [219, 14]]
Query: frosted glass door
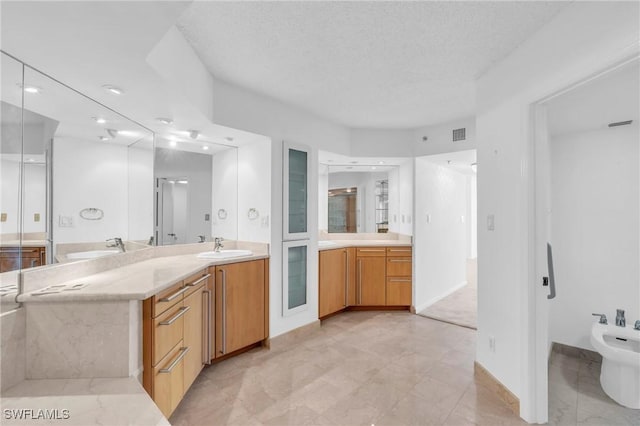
[[296, 276], [296, 187]]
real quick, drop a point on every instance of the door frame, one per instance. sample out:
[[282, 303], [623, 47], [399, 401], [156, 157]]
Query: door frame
[[535, 359]]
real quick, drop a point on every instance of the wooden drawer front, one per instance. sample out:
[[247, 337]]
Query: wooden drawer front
[[400, 251], [399, 266], [371, 251], [167, 331], [168, 386], [168, 298], [398, 291], [196, 281]]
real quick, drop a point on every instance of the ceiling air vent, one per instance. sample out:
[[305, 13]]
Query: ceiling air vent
[[459, 134]]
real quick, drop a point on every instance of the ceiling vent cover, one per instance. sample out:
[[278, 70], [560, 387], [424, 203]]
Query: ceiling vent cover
[[459, 134]]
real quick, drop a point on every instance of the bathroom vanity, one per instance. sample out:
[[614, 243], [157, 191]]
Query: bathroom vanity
[[364, 274]]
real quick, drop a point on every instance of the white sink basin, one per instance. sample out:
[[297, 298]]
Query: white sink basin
[[325, 243], [224, 254], [91, 254]]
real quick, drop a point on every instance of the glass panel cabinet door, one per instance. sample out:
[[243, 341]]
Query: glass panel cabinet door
[[296, 191], [295, 272]]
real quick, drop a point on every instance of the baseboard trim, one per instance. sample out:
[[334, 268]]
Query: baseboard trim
[[487, 379], [285, 339]]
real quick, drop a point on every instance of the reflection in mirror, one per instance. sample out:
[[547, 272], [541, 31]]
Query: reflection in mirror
[[196, 191], [358, 199], [10, 165], [89, 174]]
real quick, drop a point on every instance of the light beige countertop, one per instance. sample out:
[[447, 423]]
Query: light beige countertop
[[136, 281], [24, 243], [81, 402], [337, 244]]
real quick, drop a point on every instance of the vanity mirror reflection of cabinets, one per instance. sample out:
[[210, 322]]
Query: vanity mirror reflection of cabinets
[[364, 277], [206, 317]]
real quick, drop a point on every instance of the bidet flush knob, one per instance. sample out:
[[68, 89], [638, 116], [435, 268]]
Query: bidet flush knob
[[603, 318]]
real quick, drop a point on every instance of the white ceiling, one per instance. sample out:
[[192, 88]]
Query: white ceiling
[[362, 64], [610, 98]]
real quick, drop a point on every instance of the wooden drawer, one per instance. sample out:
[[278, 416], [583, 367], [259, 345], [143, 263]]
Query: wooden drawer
[[168, 383], [371, 251], [167, 331], [398, 291], [400, 251], [167, 298], [196, 281], [399, 266]]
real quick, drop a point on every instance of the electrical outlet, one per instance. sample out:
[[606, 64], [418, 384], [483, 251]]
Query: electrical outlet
[[492, 344], [491, 222]]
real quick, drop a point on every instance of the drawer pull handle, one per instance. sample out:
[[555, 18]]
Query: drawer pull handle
[[195, 283], [206, 327], [401, 250], [174, 295], [394, 280], [372, 250], [182, 311], [175, 362], [346, 278], [400, 260]]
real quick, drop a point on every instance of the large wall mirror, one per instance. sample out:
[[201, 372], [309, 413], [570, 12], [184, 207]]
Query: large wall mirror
[[357, 195], [74, 174], [196, 191]]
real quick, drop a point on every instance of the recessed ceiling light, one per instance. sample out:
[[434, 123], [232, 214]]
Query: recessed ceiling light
[[34, 90], [183, 181], [103, 138], [99, 120], [129, 133], [166, 121], [380, 162], [173, 144], [205, 147], [373, 167], [113, 89]]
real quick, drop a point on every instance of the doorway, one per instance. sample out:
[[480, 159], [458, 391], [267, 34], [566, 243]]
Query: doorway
[[172, 207], [587, 209], [446, 233]]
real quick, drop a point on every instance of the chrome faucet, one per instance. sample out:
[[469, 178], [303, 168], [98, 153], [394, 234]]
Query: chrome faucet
[[603, 318], [620, 321], [218, 243], [150, 242], [117, 242], [636, 326], [202, 238]]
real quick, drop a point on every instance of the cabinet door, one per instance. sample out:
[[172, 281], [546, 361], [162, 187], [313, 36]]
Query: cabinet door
[[10, 259], [296, 192], [371, 281], [332, 281], [168, 383], [398, 291], [240, 306], [193, 335], [352, 277], [399, 267]]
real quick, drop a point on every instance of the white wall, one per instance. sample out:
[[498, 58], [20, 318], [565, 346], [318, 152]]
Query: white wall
[[440, 137], [472, 214], [442, 238], [595, 226], [225, 194], [254, 191], [401, 183], [141, 193], [585, 38], [323, 197], [89, 175], [381, 143]]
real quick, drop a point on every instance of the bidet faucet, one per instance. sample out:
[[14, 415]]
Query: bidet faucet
[[636, 326], [620, 321], [603, 318], [117, 242], [201, 238], [217, 241]]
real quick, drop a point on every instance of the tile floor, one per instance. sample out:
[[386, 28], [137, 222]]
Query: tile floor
[[359, 368], [576, 397]]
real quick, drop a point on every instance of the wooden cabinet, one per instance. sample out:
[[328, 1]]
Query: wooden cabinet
[[371, 280], [398, 291], [399, 276], [176, 339], [30, 257], [352, 276], [333, 280], [241, 292]]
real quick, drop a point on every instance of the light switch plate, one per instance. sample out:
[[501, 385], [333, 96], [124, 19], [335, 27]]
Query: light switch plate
[[491, 222], [3, 217], [36, 217]]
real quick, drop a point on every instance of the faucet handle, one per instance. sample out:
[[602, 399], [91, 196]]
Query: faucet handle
[[636, 326], [603, 318]]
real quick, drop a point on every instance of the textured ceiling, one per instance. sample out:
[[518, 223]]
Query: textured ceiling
[[362, 64]]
